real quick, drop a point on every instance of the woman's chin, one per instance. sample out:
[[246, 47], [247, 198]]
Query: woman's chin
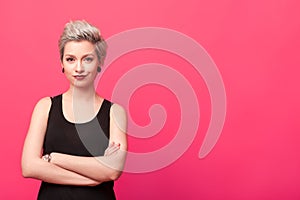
[[82, 84]]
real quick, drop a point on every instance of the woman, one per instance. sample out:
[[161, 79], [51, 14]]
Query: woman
[[76, 142]]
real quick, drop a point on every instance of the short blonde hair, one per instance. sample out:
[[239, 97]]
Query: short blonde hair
[[81, 30]]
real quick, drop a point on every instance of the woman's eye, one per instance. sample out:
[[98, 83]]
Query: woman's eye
[[88, 59], [69, 59]]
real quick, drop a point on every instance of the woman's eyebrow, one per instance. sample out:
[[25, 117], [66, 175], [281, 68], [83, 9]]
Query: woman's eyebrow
[[87, 54]]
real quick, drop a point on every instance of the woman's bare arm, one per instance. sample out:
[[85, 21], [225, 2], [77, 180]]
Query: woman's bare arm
[[103, 168], [33, 166]]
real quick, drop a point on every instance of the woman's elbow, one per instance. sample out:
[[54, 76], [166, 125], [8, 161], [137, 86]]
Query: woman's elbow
[[26, 171], [115, 175]]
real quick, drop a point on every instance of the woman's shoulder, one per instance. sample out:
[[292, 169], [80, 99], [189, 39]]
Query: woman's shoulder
[[42, 107], [44, 102], [115, 107]]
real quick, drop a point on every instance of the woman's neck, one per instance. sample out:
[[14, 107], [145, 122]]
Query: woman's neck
[[83, 102], [81, 94]]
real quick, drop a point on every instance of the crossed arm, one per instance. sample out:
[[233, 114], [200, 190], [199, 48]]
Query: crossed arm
[[69, 169]]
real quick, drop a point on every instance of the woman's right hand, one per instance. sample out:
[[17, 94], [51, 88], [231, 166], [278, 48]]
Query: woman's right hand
[[112, 149]]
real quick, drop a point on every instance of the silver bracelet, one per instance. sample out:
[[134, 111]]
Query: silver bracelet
[[47, 157]]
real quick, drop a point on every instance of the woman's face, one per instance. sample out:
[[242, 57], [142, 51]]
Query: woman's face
[[80, 63]]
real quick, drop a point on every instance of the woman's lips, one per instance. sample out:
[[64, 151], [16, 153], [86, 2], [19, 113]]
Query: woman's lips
[[79, 77]]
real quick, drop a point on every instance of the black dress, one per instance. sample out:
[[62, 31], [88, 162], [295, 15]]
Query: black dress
[[86, 139]]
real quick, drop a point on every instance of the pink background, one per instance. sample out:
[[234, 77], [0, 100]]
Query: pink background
[[255, 45]]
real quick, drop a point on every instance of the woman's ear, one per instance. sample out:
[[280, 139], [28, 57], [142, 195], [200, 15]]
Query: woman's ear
[[62, 67]]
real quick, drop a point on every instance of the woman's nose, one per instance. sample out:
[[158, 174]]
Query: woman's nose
[[79, 67]]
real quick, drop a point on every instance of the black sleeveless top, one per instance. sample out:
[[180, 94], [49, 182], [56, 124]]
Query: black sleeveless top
[[84, 139]]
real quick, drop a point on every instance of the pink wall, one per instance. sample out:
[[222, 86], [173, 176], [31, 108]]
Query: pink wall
[[255, 45]]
